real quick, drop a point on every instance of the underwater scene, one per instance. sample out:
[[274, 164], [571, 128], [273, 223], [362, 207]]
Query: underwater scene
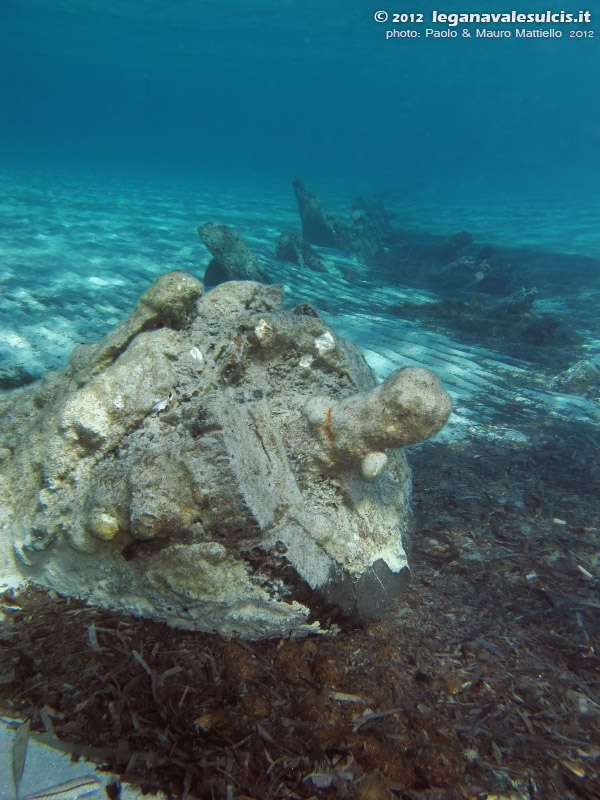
[[299, 400]]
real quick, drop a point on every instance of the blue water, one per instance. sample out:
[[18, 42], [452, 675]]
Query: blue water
[[265, 90]]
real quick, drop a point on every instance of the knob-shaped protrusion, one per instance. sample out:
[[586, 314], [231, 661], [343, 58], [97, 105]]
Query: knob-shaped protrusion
[[408, 407]]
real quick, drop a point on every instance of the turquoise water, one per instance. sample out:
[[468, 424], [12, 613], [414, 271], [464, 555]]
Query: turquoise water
[[258, 92]]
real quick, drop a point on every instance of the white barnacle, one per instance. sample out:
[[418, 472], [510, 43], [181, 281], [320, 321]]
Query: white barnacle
[[163, 403], [118, 401], [373, 465], [306, 362], [196, 354], [104, 525], [325, 342], [262, 329]]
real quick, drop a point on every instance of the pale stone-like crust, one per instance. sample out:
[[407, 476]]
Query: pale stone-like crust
[[211, 463]]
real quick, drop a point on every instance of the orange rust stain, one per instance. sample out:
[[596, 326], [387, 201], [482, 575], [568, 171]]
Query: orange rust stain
[[328, 426]]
